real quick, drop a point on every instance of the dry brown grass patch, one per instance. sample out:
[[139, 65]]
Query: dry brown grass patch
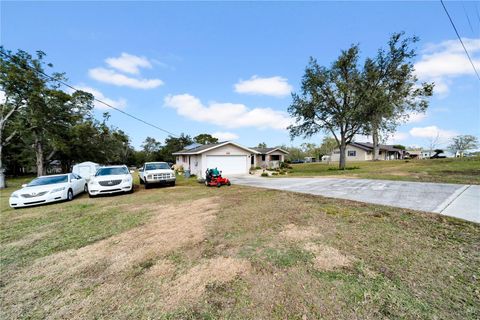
[[328, 258], [105, 267], [292, 232], [28, 240], [191, 285]]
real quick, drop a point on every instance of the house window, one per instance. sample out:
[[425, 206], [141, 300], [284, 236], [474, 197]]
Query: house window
[[184, 158], [336, 152], [275, 157], [263, 157], [352, 153]]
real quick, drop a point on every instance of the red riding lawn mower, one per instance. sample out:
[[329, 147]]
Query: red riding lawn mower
[[214, 178]]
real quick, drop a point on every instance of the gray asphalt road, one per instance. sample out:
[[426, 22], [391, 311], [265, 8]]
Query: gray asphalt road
[[461, 201]]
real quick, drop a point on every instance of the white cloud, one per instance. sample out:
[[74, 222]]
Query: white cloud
[[415, 117], [446, 60], [118, 79], [224, 136], [128, 63], [2, 97], [273, 86], [120, 103], [228, 115], [432, 132]]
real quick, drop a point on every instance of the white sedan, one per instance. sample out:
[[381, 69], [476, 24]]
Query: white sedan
[[47, 189], [110, 179]]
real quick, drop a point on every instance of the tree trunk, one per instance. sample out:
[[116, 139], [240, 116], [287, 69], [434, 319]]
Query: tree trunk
[[2, 170], [41, 170], [376, 149], [343, 156]]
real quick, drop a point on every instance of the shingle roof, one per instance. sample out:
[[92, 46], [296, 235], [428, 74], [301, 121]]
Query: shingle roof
[[205, 147], [368, 146], [200, 148], [267, 150]]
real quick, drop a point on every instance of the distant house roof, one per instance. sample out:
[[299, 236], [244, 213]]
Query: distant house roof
[[268, 150], [368, 146], [205, 147]]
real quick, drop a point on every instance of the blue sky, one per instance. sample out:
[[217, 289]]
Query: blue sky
[[227, 68]]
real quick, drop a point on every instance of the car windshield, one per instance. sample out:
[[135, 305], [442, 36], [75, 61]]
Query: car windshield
[[156, 166], [111, 171], [42, 181]]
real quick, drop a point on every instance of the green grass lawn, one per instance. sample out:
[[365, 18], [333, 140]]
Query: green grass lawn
[[451, 170], [192, 252]]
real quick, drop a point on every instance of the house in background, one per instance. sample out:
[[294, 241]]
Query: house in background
[[268, 157], [413, 154], [363, 151], [229, 157]]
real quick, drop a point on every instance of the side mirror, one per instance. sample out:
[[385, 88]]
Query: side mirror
[[140, 170], [24, 185]]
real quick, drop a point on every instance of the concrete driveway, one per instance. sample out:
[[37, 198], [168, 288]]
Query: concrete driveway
[[455, 200]]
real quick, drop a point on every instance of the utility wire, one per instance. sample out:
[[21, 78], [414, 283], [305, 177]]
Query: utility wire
[[98, 100], [468, 18], [460, 38]]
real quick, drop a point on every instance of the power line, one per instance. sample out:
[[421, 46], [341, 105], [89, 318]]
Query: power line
[[98, 100], [468, 19], [460, 38]]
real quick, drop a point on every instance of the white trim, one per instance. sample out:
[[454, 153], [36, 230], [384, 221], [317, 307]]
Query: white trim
[[215, 147], [284, 151]]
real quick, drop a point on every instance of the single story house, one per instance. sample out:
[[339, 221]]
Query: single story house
[[268, 157], [413, 154], [229, 157], [363, 151]]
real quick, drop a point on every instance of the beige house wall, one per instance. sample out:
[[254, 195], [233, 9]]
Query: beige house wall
[[261, 163], [361, 155]]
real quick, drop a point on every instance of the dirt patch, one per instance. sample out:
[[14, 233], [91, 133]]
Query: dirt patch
[[328, 258], [101, 269], [190, 286], [295, 233]]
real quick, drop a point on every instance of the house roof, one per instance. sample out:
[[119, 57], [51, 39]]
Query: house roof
[[206, 147], [368, 146], [268, 150]]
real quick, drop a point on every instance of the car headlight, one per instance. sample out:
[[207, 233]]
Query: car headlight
[[127, 179], [13, 195], [57, 190]]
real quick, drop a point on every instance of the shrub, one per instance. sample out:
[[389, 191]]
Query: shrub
[[274, 173], [257, 168], [285, 165], [264, 174]]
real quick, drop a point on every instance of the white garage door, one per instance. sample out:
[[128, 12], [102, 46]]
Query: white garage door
[[228, 164]]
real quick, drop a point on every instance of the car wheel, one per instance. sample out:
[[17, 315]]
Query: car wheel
[[172, 184], [85, 188], [229, 184], [141, 181], [69, 195], [219, 185], [147, 186], [131, 190]]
